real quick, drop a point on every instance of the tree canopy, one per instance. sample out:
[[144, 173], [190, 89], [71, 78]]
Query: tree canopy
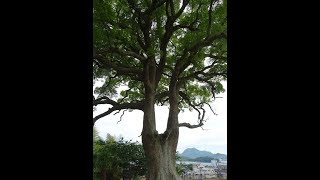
[[187, 40], [161, 52]]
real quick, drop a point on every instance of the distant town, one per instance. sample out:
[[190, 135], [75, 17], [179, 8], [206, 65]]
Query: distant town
[[216, 168]]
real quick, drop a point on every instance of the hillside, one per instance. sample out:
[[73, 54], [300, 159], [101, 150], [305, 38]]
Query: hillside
[[193, 154]]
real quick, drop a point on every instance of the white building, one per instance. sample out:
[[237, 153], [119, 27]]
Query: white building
[[214, 162], [200, 169]]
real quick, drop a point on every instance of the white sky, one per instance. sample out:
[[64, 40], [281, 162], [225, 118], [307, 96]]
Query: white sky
[[213, 138]]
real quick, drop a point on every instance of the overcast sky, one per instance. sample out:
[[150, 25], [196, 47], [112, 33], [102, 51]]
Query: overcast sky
[[213, 138]]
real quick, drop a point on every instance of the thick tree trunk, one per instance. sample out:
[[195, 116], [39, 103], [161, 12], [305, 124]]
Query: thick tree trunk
[[160, 151], [104, 175]]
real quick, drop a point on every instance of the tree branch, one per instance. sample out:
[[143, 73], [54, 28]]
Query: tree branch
[[117, 112], [131, 54], [133, 6], [187, 99], [118, 106], [171, 8], [161, 95], [155, 4], [180, 26], [170, 29], [208, 82], [186, 58], [211, 108], [208, 76], [215, 57], [107, 63], [141, 43], [110, 110], [207, 41], [210, 17], [171, 17], [123, 52], [126, 95], [122, 115], [120, 24], [191, 26], [167, 9], [104, 100], [165, 100], [201, 72], [184, 4], [188, 125], [144, 26], [168, 75]]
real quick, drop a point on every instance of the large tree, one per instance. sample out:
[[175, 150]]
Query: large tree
[[166, 52]]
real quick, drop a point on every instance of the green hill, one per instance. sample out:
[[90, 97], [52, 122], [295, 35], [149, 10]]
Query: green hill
[[193, 154]]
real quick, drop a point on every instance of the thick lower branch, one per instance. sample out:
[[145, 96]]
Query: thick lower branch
[[173, 101], [104, 100], [118, 106], [104, 114]]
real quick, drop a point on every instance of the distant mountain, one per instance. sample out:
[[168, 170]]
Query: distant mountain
[[204, 156]]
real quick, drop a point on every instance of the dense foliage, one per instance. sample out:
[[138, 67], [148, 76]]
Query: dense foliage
[[127, 33], [115, 159]]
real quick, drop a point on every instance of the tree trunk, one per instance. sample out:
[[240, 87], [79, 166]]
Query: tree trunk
[[104, 174], [160, 151]]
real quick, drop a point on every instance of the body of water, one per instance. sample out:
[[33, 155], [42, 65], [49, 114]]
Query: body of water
[[194, 162]]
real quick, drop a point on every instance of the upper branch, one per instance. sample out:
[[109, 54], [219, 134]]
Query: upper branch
[[196, 74], [171, 7], [130, 53], [191, 26], [206, 80], [207, 41], [119, 68], [132, 5], [180, 26], [154, 6], [186, 59], [170, 29], [210, 17], [144, 22], [184, 4]]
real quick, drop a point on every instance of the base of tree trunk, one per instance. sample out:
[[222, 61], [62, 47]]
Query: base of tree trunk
[[161, 157]]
